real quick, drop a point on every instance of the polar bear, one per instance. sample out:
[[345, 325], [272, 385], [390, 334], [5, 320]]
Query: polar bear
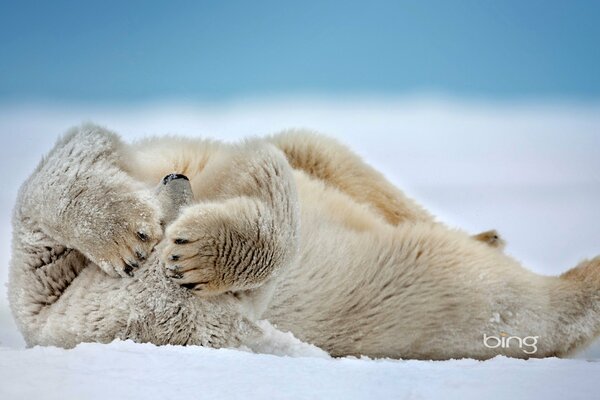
[[293, 228]]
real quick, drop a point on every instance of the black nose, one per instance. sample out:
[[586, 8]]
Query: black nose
[[171, 177]]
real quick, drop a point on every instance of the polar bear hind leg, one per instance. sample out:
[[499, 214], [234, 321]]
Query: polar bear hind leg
[[328, 160]]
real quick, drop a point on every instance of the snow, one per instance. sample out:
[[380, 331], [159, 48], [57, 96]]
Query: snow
[[530, 170], [126, 370], [276, 342]]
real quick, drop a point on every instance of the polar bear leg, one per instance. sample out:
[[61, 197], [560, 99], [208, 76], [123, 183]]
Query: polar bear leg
[[244, 228], [326, 159], [81, 198], [41, 270]]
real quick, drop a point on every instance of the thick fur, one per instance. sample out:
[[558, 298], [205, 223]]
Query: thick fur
[[292, 228]]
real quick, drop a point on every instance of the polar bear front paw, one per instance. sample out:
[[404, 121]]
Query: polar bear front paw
[[118, 231], [193, 255]]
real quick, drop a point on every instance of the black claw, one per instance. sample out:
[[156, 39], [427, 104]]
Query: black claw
[[189, 285], [177, 275], [174, 257], [171, 177], [181, 241], [142, 236], [140, 256], [128, 270]]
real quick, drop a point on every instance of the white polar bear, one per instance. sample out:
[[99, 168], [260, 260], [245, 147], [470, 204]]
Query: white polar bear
[[292, 228]]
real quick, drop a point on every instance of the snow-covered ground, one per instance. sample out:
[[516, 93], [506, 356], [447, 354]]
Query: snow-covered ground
[[532, 171], [125, 370]]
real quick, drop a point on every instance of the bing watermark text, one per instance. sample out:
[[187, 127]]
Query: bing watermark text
[[504, 341]]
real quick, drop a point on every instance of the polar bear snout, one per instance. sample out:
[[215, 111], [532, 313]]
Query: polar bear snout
[[171, 177], [174, 192]]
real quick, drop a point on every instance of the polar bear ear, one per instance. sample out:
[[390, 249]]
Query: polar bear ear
[[492, 238], [173, 192]]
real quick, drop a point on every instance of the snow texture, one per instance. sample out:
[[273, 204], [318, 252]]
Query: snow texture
[[279, 343], [126, 370], [532, 171]]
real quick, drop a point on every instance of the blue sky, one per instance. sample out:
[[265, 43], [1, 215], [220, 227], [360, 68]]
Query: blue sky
[[204, 50]]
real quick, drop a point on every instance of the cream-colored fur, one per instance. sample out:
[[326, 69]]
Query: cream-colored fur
[[293, 228]]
